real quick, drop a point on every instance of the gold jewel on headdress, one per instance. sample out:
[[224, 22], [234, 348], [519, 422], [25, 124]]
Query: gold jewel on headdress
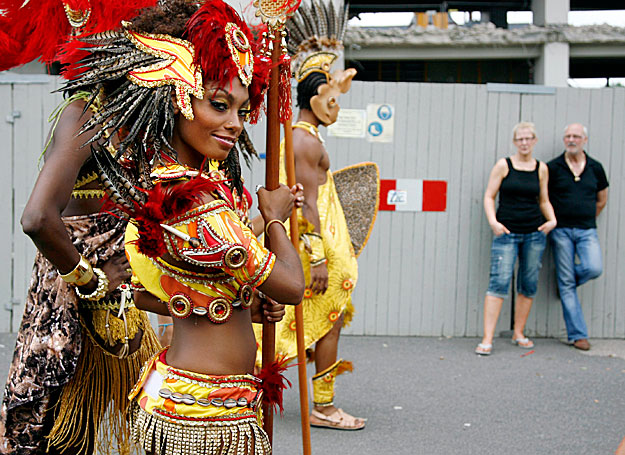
[[241, 51], [317, 62], [76, 18], [177, 69]]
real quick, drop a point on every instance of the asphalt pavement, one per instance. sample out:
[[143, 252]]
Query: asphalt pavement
[[431, 396]]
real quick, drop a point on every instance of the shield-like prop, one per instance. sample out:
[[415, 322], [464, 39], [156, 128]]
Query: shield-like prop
[[358, 188]]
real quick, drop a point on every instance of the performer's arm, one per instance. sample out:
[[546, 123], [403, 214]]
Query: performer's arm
[[149, 302], [41, 219], [308, 155], [285, 283]]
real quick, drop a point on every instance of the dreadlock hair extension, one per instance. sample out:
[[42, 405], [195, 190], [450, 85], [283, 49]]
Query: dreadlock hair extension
[[232, 167], [307, 88], [247, 147]]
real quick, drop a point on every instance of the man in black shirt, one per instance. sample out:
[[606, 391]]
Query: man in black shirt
[[578, 189]]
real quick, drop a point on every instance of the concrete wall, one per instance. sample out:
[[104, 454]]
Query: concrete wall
[[422, 273]]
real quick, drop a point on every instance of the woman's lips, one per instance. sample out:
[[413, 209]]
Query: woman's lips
[[226, 141]]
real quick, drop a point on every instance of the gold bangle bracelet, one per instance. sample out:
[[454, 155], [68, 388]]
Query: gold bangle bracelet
[[80, 275], [270, 222]]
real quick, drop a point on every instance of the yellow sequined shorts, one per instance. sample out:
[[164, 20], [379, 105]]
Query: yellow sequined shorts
[[178, 412]]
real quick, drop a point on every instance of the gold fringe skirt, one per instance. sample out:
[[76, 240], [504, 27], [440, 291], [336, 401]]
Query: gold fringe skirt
[[160, 436], [101, 385], [179, 412]]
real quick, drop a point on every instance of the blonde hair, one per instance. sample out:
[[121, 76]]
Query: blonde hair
[[524, 126]]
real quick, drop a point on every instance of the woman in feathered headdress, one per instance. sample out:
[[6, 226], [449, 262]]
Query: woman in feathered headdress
[[177, 103]]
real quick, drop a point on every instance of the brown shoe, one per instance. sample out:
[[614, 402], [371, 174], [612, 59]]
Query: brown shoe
[[582, 344]]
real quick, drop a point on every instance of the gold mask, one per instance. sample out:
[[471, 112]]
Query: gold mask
[[325, 104]]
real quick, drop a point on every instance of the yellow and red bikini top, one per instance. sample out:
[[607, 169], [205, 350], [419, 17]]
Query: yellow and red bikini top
[[211, 238]]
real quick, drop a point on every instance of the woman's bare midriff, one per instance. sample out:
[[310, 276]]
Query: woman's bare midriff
[[202, 346]]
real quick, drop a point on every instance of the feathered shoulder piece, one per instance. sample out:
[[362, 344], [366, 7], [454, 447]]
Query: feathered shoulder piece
[[316, 34], [177, 190], [39, 28]]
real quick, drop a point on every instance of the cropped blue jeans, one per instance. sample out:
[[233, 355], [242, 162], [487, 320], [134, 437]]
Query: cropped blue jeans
[[505, 249], [569, 244]]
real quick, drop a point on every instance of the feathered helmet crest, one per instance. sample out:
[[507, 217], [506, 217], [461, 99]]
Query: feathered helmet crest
[[316, 34]]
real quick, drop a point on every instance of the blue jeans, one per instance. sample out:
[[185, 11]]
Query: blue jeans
[[567, 244], [504, 251]]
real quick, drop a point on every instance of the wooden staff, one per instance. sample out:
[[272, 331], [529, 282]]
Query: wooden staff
[[299, 315], [272, 182]]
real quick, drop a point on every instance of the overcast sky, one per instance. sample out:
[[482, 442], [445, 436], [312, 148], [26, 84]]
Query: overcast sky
[[616, 18]]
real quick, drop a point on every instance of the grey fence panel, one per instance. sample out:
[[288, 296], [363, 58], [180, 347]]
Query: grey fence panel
[[6, 203], [422, 273], [410, 267], [615, 262], [35, 102]]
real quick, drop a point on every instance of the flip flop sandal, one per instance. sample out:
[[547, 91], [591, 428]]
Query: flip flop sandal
[[484, 349], [524, 343], [338, 420]]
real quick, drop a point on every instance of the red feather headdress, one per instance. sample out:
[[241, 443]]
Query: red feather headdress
[[39, 28], [207, 30]]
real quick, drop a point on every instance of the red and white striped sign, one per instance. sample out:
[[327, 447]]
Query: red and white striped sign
[[413, 195]]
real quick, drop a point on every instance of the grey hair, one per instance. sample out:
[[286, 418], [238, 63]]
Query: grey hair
[[584, 129]]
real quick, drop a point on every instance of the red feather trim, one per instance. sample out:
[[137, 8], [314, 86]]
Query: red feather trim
[[274, 382], [39, 28], [164, 203]]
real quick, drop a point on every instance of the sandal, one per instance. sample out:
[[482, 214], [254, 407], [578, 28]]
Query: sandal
[[338, 420], [484, 349], [524, 343]]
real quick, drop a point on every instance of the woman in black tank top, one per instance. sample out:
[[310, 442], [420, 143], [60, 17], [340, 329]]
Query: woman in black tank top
[[520, 225]]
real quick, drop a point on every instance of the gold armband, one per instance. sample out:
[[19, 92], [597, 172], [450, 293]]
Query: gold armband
[[313, 242], [270, 222], [80, 275], [102, 289]]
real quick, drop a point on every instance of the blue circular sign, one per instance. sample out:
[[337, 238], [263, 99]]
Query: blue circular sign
[[385, 112], [375, 128]]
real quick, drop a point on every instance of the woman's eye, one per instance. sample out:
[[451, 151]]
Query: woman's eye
[[245, 113], [221, 107]]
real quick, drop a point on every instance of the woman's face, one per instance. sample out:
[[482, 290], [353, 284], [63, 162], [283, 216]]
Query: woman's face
[[218, 121], [524, 140]]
